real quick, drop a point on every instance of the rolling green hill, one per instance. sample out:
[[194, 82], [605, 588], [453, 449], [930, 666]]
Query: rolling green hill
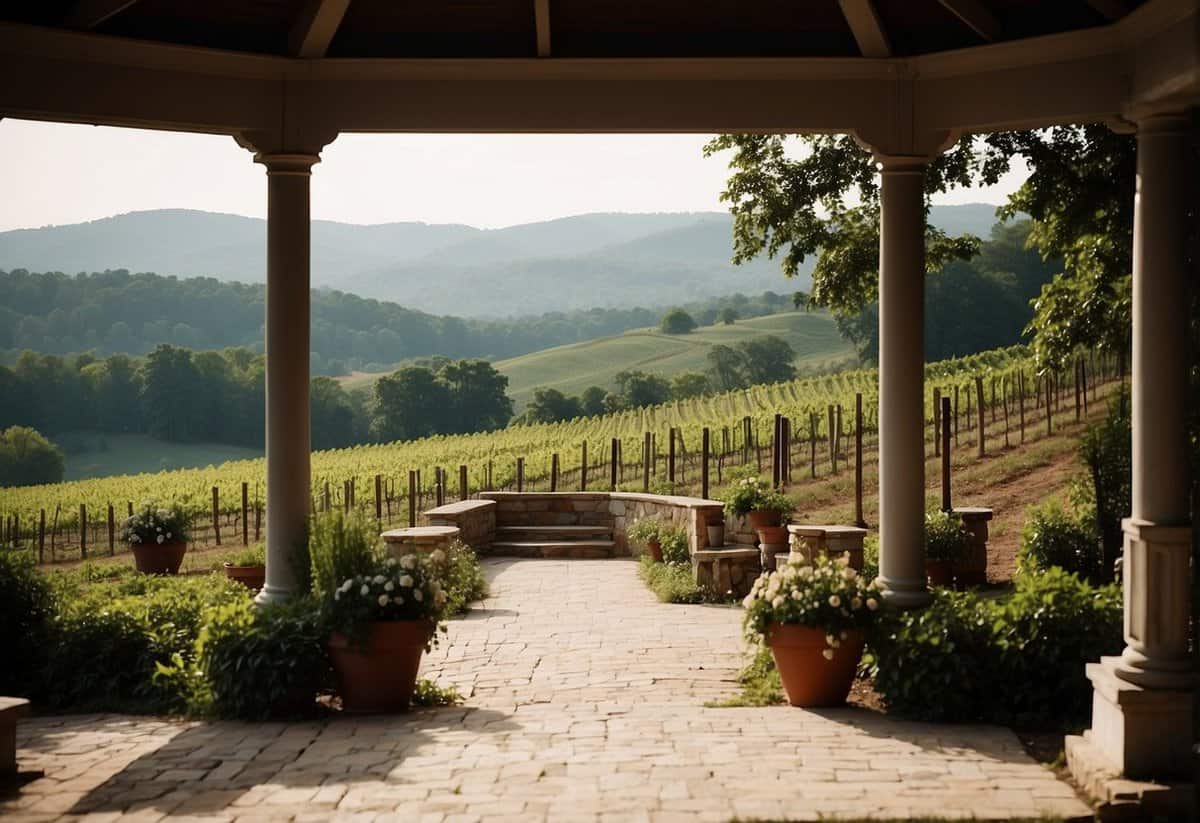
[[573, 368]]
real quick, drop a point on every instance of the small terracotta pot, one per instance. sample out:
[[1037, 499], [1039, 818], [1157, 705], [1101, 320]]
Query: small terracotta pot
[[940, 572], [655, 549], [158, 558], [808, 678], [381, 674], [716, 535], [763, 517], [252, 577], [773, 535]]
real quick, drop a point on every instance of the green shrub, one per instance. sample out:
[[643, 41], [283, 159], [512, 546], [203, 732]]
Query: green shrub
[[1107, 451], [675, 547], [760, 683], [870, 570], [671, 583], [249, 556], [643, 531], [1054, 538], [462, 578], [1015, 661], [944, 536], [26, 609], [257, 663], [340, 547]]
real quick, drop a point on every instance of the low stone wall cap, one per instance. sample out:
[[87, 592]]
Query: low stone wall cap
[[460, 507], [418, 532]]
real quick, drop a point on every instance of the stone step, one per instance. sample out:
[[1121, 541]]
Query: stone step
[[576, 549], [525, 532]]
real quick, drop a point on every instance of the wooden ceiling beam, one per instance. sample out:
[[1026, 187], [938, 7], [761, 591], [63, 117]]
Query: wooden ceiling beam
[[868, 30], [976, 16], [87, 14], [1110, 9], [541, 17], [315, 27]]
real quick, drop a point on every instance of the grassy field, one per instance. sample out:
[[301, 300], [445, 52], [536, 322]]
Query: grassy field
[[100, 455], [574, 367]]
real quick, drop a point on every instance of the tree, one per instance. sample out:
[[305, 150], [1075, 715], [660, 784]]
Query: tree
[[677, 321], [551, 405], [725, 368], [767, 360], [689, 384], [170, 383], [478, 399], [409, 403], [334, 420], [29, 459], [728, 315], [637, 388], [592, 401]]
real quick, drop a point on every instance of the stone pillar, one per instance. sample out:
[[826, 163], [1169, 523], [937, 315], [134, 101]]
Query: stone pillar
[[287, 378], [902, 381], [1142, 704]]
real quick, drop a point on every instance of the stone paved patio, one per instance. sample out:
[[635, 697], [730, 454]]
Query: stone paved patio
[[584, 703]]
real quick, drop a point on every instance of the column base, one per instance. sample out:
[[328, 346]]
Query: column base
[[906, 594], [1144, 732], [272, 594]]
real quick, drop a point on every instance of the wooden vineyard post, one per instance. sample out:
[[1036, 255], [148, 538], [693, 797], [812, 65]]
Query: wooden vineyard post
[[946, 506], [646, 462], [83, 531], [112, 531], [980, 411], [993, 399], [412, 498], [859, 520], [812, 443], [747, 441], [216, 512], [520, 474], [1049, 402], [379, 497], [832, 442], [325, 496], [346, 500], [704, 449], [837, 440], [671, 457], [1021, 401], [54, 531], [614, 463], [554, 472], [776, 450], [583, 468], [786, 468], [245, 513], [42, 536], [970, 415], [937, 422], [955, 415], [463, 491], [130, 506], [488, 481], [1004, 397], [757, 448]]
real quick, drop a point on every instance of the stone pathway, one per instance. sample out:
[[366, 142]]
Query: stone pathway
[[584, 703]]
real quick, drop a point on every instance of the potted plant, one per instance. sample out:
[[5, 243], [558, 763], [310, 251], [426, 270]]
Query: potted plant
[[752, 497], [645, 532], [382, 621], [248, 567], [157, 536], [715, 527], [945, 545], [813, 616]]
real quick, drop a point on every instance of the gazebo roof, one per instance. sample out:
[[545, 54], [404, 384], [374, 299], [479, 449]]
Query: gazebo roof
[[578, 28]]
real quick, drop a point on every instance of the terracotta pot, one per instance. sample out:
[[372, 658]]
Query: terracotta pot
[[763, 517], [716, 535], [655, 549], [158, 558], [252, 577], [940, 572], [773, 535], [380, 674], [808, 678]]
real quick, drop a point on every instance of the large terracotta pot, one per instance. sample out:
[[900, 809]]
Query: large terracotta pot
[[655, 549], [773, 535], [380, 674], [763, 517], [808, 678], [940, 572], [158, 558], [252, 577]]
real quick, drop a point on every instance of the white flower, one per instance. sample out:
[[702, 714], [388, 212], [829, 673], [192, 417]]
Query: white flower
[[383, 600], [409, 562], [161, 538], [827, 654], [849, 574], [748, 601], [345, 587], [439, 599], [418, 595], [365, 590], [856, 603], [388, 586], [777, 602], [844, 559], [391, 561], [378, 579], [406, 581], [797, 595], [872, 603], [834, 600], [830, 640], [337, 594], [168, 535], [437, 556]]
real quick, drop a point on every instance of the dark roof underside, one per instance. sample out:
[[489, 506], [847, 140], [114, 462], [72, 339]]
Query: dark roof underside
[[579, 28]]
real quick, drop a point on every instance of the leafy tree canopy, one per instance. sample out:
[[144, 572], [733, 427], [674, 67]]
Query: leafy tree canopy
[[678, 321], [28, 459]]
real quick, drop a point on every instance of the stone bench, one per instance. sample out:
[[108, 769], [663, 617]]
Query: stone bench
[[11, 710], [729, 569], [830, 540], [423, 539]]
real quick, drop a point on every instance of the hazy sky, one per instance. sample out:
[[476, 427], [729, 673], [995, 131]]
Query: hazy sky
[[55, 173]]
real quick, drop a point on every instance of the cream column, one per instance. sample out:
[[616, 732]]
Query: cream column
[[1142, 706], [287, 378], [902, 381]]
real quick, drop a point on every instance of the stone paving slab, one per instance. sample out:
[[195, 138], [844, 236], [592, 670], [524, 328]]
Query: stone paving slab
[[584, 703]]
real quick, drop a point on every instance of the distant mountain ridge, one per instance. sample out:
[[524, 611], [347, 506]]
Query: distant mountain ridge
[[585, 261]]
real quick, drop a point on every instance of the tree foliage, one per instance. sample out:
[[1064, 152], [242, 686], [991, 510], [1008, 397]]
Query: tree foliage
[[678, 321], [29, 459]]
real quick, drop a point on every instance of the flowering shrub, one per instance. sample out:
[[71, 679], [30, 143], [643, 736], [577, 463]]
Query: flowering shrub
[[822, 594], [153, 524], [405, 589], [752, 493]]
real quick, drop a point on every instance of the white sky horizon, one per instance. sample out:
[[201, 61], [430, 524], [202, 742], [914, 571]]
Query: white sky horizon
[[59, 174]]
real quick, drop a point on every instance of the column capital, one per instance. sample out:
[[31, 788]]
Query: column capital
[[288, 163], [1164, 122], [902, 163]]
